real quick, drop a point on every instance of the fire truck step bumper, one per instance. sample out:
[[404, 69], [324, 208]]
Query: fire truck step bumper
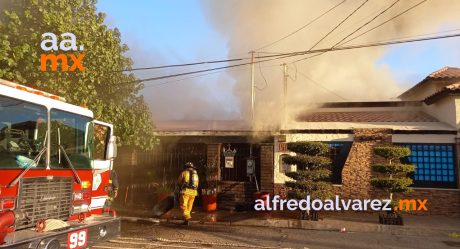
[[77, 236]]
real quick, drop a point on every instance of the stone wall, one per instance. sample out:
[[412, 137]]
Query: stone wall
[[356, 173], [440, 201]]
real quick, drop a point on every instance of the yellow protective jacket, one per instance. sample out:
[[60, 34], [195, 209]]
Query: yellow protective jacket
[[184, 179]]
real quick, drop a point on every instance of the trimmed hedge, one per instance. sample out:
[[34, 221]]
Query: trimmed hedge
[[395, 179], [313, 173], [397, 168], [394, 185], [305, 175], [392, 152], [307, 162], [309, 148]]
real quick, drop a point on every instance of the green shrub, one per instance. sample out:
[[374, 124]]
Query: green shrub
[[393, 185], [313, 174], [397, 168], [305, 175], [309, 148], [394, 179], [392, 152], [305, 161]]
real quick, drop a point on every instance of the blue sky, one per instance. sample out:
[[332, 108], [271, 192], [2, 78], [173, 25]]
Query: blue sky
[[176, 28]]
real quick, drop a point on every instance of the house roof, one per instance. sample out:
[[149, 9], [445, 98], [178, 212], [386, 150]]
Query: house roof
[[445, 73], [367, 117], [347, 127], [369, 104], [201, 125], [452, 89]]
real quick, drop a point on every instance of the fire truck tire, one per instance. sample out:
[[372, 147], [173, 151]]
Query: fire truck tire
[[52, 243]]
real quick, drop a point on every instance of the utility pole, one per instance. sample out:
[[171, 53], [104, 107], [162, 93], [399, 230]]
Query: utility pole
[[252, 89], [252, 97], [285, 80]]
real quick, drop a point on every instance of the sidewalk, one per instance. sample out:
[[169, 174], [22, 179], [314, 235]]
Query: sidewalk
[[352, 222]]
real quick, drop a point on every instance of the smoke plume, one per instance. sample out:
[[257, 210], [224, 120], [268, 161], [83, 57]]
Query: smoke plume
[[350, 75]]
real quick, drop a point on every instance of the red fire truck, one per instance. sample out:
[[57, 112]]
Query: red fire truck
[[55, 164]]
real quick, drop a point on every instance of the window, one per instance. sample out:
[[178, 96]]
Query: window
[[101, 139], [435, 165], [286, 168], [338, 155], [22, 133], [74, 133]]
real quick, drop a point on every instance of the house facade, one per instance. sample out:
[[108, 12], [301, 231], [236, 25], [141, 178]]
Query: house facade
[[426, 119]]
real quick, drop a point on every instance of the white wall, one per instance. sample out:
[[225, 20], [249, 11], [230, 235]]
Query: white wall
[[422, 138], [445, 110]]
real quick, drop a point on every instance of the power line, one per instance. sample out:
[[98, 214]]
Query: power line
[[365, 24], [361, 20], [229, 60], [330, 32], [338, 25], [274, 54], [356, 30], [257, 57], [183, 65], [304, 26], [263, 76], [379, 25], [202, 75], [291, 54], [421, 35]]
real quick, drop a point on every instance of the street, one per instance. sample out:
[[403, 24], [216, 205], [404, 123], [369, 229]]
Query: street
[[173, 235]]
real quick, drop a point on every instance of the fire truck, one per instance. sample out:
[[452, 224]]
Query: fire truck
[[55, 165]]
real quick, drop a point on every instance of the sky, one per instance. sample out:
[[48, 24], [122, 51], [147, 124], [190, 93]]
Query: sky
[[170, 32]]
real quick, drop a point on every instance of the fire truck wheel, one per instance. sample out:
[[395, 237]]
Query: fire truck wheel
[[52, 243]]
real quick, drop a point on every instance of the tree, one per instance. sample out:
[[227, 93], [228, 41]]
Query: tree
[[111, 94], [313, 171], [394, 178]]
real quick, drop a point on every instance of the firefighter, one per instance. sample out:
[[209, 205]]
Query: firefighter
[[188, 184]]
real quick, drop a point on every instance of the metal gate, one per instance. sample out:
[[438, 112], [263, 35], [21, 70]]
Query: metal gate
[[146, 172]]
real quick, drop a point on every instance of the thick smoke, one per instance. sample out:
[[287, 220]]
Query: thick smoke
[[352, 75]]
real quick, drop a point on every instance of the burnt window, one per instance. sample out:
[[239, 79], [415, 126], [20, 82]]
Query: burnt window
[[435, 165]]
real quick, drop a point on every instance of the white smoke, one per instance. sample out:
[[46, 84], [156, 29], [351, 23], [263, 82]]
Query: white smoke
[[354, 75]]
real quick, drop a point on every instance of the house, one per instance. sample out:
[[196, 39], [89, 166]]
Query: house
[[426, 119]]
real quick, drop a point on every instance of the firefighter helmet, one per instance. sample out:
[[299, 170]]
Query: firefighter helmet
[[189, 165]]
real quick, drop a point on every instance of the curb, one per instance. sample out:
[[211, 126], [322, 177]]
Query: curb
[[348, 226], [332, 225]]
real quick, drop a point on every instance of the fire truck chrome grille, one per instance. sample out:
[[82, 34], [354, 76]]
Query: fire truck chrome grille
[[42, 198]]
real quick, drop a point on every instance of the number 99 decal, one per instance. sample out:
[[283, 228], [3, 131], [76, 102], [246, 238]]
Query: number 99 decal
[[77, 239]]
